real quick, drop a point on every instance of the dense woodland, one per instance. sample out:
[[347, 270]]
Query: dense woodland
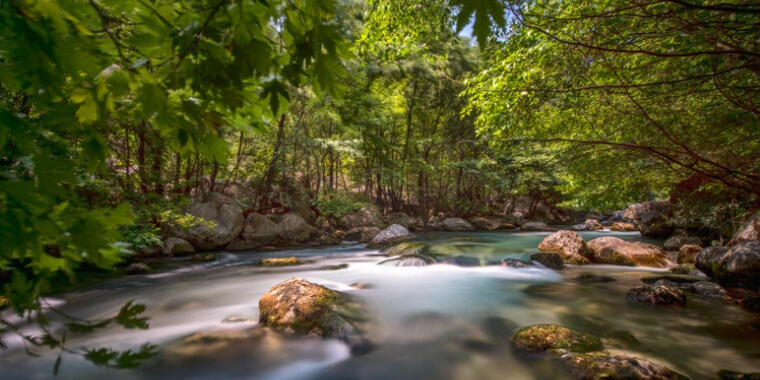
[[115, 114]]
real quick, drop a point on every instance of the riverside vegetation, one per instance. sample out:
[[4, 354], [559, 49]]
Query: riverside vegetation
[[145, 138]]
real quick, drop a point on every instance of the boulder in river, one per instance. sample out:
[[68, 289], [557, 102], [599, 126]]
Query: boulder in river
[[393, 234], [660, 293], [223, 222], [138, 268], [456, 224], [368, 216], [569, 244], [674, 243], [593, 225], [709, 289], [412, 260], [492, 223], [280, 261], [584, 354], [616, 251], [405, 248], [535, 226], [737, 266], [297, 306], [176, 246], [590, 278], [622, 227], [294, 229], [548, 337], [401, 218], [604, 365], [514, 263], [361, 234], [683, 269], [259, 229], [549, 260], [687, 253], [650, 217]]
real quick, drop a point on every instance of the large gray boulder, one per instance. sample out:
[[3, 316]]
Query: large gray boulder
[[535, 226], [492, 223], [361, 234], [674, 243], [737, 266], [369, 216], [259, 230], [393, 234], [569, 244], [294, 229], [401, 218], [176, 246], [456, 224], [650, 217], [226, 222], [616, 251]]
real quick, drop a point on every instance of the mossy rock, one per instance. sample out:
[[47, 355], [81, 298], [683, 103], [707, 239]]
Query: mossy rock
[[334, 267], [590, 278], [280, 261], [203, 257], [300, 307], [543, 337], [603, 365], [405, 248], [687, 269]]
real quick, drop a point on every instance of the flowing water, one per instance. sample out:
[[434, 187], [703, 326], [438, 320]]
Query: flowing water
[[434, 322]]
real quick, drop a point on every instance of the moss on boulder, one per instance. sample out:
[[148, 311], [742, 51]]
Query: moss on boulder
[[547, 337]]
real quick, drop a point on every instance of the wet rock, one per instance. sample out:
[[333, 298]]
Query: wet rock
[[138, 268], [369, 216], [709, 289], [603, 365], [514, 263], [661, 293], [334, 267], [207, 343], [362, 285], [393, 234], [650, 217], [361, 234], [405, 248], [203, 257], [673, 278], [402, 219], [732, 375], [616, 251], [622, 227], [327, 238], [748, 299], [590, 278], [593, 225], [238, 319], [456, 224], [462, 261], [280, 261], [578, 227], [683, 269], [569, 244], [413, 260], [294, 229], [492, 223], [297, 306], [737, 266], [688, 253], [750, 230], [549, 260], [176, 246], [535, 226], [674, 243], [224, 222], [549, 337]]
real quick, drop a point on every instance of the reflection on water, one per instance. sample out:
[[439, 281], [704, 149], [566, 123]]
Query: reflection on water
[[437, 321]]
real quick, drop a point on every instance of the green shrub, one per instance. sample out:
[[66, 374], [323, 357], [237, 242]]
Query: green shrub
[[338, 204]]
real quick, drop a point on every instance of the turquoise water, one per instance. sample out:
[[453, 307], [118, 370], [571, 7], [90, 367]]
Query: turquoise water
[[434, 322]]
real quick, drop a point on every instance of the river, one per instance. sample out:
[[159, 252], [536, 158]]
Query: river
[[438, 321]]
